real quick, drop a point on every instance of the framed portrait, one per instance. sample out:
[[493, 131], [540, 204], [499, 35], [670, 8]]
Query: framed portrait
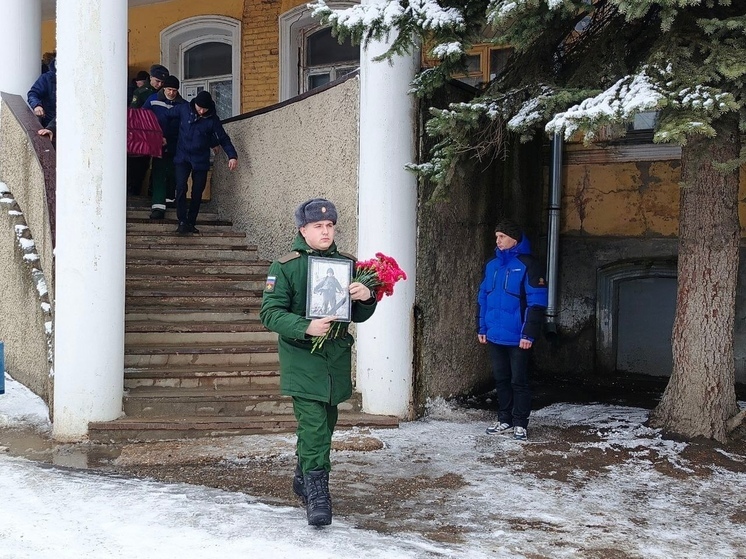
[[328, 288]]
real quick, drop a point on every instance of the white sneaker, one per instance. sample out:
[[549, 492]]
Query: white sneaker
[[498, 428], [519, 434]]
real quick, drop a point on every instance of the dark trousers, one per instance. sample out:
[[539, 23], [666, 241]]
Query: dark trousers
[[199, 180], [316, 422], [510, 371], [137, 168]]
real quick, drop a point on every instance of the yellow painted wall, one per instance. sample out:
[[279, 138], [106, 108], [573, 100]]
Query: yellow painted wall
[[145, 24], [259, 36], [260, 51], [48, 36], [627, 199]]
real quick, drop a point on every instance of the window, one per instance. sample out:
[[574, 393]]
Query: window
[[325, 60], [644, 121], [483, 64], [207, 66], [309, 56], [204, 53], [207, 59]]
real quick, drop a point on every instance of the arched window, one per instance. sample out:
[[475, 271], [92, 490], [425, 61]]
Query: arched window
[[204, 53], [309, 56], [324, 59]]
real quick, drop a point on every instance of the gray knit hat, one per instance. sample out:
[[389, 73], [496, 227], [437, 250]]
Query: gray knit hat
[[316, 209], [509, 228]]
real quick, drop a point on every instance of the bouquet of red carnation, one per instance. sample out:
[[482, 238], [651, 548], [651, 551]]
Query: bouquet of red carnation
[[378, 274]]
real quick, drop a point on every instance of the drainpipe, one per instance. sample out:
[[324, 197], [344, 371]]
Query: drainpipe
[[555, 192]]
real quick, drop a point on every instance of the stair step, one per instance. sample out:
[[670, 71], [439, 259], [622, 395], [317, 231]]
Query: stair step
[[246, 325], [192, 291], [229, 300], [150, 266], [192, 254], [149, 429], [182, 283], [171, 223], [156, 234], [200, 354], [179, 242], [184, 315], [189, 338], [143, 212], [170, 402], [215, 377], [168, 226], [198, 362]]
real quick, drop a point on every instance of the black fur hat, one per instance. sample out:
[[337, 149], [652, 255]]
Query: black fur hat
[[316, 209]]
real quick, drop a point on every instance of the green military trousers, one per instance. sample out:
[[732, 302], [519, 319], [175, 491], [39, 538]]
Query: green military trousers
[[316, 422], [164, 181]]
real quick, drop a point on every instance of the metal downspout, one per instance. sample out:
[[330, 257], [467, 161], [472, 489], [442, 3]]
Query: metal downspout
[[555, 193]]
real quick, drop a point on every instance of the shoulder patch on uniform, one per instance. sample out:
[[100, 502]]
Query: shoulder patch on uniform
[[269, 286], [348, 255], [288, 257]]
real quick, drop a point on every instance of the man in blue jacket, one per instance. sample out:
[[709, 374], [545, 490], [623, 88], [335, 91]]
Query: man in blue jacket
[[164, 180], [42, 97], [512, 300], [199, 130]]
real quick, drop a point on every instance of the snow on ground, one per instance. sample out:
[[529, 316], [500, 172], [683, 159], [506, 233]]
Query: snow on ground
[[21, 407], [545, 498]]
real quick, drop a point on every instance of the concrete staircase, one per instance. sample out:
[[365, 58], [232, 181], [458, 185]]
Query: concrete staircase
[[198, 362]]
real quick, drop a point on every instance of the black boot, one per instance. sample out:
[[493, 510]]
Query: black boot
[[298, 486], [319, 506]]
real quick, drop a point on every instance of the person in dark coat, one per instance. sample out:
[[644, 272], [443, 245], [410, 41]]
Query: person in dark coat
[[199, 130], [317, 381], [164, 180], [512, 300], [42, 97]]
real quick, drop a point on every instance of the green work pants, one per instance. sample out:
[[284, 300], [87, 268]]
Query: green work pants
[[316, 422], [164, 181]]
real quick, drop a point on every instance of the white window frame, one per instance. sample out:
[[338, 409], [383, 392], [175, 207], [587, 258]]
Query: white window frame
[[176, 39], [293, 26]]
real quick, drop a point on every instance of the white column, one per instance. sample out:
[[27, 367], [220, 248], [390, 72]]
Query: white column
[[91, 208], [20, 45], [387, 223]]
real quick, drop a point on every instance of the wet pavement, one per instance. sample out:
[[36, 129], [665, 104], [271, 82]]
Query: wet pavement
[[626, 390]]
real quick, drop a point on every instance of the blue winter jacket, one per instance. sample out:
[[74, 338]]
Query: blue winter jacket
[[44, 93], [161, 106], [512, 296], [197, 135]]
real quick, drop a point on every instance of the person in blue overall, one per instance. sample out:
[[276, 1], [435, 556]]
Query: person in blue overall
[[512, 301]]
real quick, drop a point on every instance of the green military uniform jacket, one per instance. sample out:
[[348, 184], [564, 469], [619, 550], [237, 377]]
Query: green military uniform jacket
[[324, 375], [140, 95]]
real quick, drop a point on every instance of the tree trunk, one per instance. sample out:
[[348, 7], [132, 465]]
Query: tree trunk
[[700, 396]]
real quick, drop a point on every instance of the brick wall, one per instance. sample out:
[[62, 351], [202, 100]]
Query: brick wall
[[260, 54]]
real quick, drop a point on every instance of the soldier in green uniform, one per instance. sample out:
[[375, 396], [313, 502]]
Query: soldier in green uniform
[[318, 381]]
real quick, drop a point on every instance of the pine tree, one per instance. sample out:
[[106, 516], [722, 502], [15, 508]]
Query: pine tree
[[579, 66]]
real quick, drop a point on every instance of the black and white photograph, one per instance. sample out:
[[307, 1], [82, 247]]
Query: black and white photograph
[[328, 283]]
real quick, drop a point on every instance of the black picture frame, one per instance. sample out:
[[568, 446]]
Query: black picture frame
[[327, 292]]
